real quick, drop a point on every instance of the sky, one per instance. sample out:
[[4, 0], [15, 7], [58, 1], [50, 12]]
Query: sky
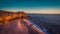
[[31, 6]]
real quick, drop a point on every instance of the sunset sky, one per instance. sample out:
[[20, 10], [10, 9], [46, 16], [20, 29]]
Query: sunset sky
[[32, 6]]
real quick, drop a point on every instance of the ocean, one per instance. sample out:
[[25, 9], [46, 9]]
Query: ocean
[[49, 23]]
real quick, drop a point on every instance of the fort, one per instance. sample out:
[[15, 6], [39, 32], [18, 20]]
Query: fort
[[6, 16]]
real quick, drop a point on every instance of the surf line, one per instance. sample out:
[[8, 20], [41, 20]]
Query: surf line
[[33, 26]]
